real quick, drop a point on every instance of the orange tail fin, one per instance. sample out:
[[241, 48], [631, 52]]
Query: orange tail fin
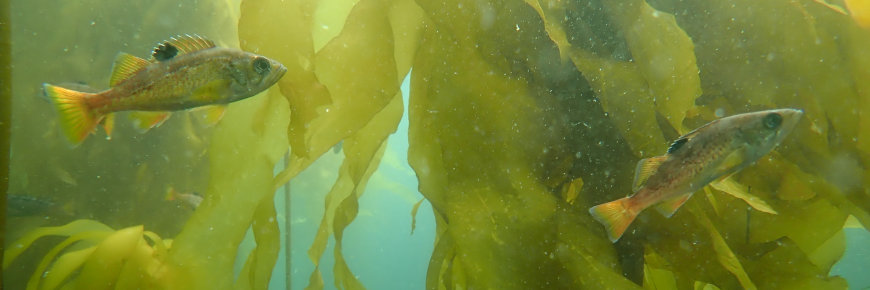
[[615, 216], [76, 118], [171, 194]]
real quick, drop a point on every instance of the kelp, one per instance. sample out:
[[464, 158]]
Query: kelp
[[522, 116], [95, 256], [656, 70], [340, 86]]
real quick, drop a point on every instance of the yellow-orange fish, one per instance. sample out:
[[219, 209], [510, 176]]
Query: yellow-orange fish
[[712, 151], [184, 72]]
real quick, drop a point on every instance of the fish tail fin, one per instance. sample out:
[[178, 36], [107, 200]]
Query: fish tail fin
[[76, 117], [615, 216], [171, 193]]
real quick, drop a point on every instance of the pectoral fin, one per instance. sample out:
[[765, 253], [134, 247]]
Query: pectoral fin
[[645, 168], [212, 92], [669, 207], [732, 162]]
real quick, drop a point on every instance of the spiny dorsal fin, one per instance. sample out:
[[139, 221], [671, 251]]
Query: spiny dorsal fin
[[645, 168], [677, 144], [180, 45], [126, 65]]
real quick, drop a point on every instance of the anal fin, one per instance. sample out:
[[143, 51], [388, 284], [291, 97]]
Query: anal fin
[[108, 123], [645, 168], [147, 120], [669, 207], [212, 114]]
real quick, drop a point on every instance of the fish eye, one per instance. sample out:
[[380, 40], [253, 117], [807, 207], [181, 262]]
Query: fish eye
[[772, 121], [261, 65]]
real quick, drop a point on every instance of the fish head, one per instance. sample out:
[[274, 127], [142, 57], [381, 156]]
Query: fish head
[[252, 74], [763, 130]]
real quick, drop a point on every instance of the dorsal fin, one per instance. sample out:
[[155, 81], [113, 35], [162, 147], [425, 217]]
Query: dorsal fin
[[645, 168], [180, 45], [125, 66], [677, 144]]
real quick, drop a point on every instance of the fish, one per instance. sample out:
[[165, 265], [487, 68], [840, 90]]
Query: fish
[[192, 199], [184, 72], [713, 151], [24, 205]]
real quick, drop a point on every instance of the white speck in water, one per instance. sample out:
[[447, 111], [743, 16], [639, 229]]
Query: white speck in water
[[210, 228], [655, 14], [93, 23], [578, 154], [720, 112], [325, 27], [518, 27]]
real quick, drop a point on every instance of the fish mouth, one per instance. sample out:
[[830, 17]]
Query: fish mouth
[[278, 72], [790, 118]]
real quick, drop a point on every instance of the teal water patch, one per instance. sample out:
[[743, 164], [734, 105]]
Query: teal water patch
[[856, 260]]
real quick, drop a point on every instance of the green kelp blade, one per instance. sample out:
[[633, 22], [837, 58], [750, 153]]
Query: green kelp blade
[[142, 268], [698, 285], [828, 253], [800, 273], [655, 273], [729, 186], [365, 45], [625, 96], [553, 21], [364, 150], [726, 257], [64, 267], [663, 79], [664, 54], [257, 270], [346, 84], [93, 237], [282, 30], [243, 152], [414, 214], [106, 262], [74, 227]]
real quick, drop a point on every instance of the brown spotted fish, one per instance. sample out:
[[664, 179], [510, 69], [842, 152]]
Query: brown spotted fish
[[183, 73], [715, 150]]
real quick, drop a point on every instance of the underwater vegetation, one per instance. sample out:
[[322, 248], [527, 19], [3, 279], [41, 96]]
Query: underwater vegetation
[[523, 115]]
